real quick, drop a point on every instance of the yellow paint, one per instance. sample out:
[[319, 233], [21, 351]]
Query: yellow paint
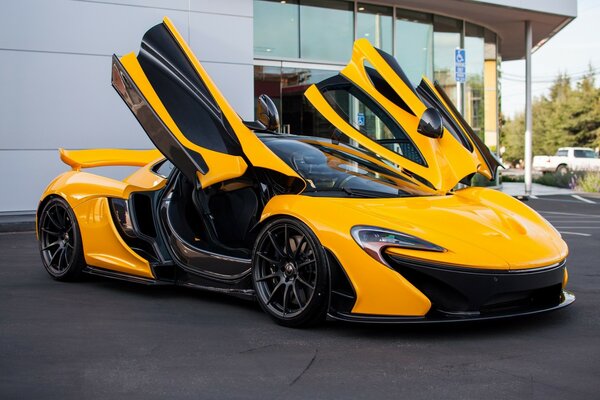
[[503, 234], [92, 158], [221, 166], [482, 167], [102, 244], [257, 153], [448, 161]]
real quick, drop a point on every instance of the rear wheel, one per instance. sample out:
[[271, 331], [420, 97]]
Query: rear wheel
[[290, 273], [60, 241]]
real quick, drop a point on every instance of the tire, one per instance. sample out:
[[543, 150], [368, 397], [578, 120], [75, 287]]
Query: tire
[[60, 242], [562, 169], [290, 273]]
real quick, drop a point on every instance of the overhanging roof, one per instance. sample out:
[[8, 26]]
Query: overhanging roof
[[505, 17]]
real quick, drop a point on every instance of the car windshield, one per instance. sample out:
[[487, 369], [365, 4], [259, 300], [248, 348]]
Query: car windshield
[[339, 170]]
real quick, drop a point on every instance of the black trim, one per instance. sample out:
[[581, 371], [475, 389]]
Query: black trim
[[122, 276], [477, 292], [566, 299]]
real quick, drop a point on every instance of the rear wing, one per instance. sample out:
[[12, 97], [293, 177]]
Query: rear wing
[[92, 158]]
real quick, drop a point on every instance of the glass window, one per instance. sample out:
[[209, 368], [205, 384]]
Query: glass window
[[561, 153], [446, 38], [297, 116], [326, 30], [585, 154], [474, 52], [375, 24], [339, 171], [370, 120], [414, 44], [276, 28], [267, 80]]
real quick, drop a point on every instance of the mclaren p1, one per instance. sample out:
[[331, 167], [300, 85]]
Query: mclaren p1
[[367, 217]]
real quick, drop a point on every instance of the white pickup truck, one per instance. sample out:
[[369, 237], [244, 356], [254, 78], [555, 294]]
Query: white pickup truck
[[568, 159]]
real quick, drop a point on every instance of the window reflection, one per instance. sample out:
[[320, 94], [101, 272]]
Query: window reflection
[[326, 30], [276, 28], [474, 101], [446, 38], [414, 44], [375, 24], [286, 86]]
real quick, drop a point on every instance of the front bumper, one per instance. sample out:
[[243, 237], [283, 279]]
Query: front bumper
[[466, 294]]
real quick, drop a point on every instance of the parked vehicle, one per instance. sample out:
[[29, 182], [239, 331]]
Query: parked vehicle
[[370, 230], [568, 159]]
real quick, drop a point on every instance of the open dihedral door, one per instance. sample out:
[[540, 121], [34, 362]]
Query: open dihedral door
[[186, 116], [373, 103]]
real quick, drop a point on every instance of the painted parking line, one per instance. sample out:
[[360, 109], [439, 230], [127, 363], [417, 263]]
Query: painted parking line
[[575, 196], [575, 233], [574, 214]]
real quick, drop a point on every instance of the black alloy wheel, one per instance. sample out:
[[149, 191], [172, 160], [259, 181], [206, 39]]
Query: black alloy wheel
[[290, 273], [60, 241]]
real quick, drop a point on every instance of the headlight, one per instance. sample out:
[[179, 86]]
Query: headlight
[[373, 239]]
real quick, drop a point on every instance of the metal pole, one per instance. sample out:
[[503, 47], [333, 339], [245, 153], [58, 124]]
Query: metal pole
[[528, 121]]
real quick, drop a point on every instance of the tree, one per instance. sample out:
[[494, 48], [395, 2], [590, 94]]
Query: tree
[[568, 116]]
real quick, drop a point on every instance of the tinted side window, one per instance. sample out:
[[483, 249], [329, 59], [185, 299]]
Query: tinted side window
[[561, 153], [579, 154]]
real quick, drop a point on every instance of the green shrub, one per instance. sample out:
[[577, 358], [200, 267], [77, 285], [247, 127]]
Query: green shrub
[[589, 182], [567, 180]]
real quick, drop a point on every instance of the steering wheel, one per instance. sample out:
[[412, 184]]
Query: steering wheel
[[340, 184]]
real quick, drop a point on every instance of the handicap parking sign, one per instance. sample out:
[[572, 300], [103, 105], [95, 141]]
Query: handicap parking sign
[[360, 119], [460, 69]]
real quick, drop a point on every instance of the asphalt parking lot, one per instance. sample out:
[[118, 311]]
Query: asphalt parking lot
[[107, 339]]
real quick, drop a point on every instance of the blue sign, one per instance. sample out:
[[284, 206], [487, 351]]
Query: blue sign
[[460, 69], [360, 119]]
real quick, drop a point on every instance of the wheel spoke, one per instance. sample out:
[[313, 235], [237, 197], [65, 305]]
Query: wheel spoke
[[296, 296], [70, 245], [286, 235], [54, 256], [302, 281], [275, 246], [285, 299], [47, 247], [269, 260], [302, 264], [51, 218], [48, 231], [266, 278], [299, 246], [61, 258], [273, 292]]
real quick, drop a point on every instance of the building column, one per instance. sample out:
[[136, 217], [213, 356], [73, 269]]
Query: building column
[[528, 119]]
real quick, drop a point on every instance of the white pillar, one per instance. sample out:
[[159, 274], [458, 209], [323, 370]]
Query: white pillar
[[528, 121]]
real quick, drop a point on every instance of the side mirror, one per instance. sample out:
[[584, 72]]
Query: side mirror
[[431, 124], [267, 113]]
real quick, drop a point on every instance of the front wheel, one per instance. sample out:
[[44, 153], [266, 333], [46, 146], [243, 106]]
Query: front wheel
[[60, 241], [290, 273], [562, 170]]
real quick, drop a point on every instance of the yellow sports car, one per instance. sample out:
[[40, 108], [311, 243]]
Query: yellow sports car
[[372, 222]]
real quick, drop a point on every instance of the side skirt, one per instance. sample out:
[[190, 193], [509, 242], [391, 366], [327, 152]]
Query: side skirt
[[123, 277]]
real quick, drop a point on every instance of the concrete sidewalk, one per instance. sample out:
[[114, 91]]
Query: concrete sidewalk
[[518, 189]]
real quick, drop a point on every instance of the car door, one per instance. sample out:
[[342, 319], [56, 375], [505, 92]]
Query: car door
[[373, 103], [186, 116]]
